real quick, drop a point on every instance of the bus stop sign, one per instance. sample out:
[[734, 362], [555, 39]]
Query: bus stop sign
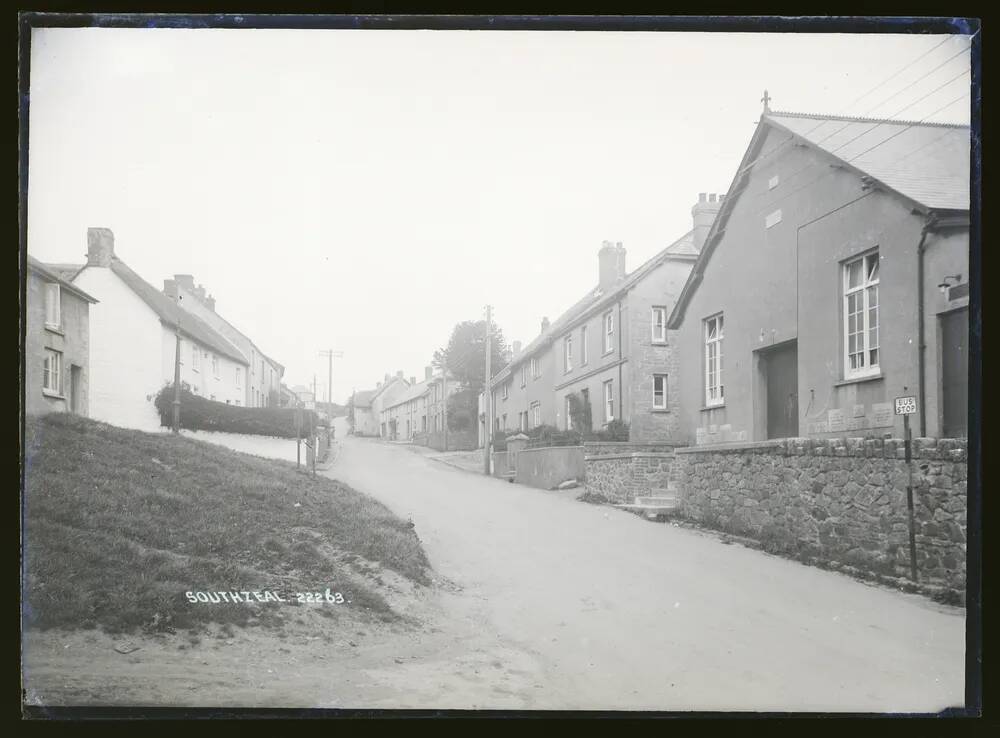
[[906, 405]]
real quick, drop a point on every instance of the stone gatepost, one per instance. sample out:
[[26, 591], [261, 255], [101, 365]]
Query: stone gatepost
[[516, 443]]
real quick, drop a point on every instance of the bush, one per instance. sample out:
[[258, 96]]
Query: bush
[[548, 435], [198, 413], [616, 430]]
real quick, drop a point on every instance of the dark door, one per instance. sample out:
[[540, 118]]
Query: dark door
[[782, 369], [955, 373], [74, 389]]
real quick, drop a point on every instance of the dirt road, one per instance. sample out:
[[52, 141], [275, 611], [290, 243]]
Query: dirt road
[[543, 602], [599, 609]]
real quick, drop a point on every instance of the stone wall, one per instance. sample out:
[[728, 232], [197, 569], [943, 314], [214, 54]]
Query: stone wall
[[622, 477], [841, 499], [501, 464]]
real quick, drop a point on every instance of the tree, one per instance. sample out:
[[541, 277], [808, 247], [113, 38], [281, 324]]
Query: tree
[[464, 357]]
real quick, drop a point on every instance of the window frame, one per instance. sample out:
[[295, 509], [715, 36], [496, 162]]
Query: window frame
[[567, 353], [536, 414], [608, 331], [609, 400], [239, 377], [569, 415], [863, 289], [55, 304], [662, 310], [660, 377], [506, 391], [583, 345], [49, 386], [717, 342], [535, 373], [524, 375], [195, 357]]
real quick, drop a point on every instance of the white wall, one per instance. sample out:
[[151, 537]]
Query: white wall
[[125, 352], [203, 382]]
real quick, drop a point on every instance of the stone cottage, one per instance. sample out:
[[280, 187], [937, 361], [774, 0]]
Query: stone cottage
[[56, 342]]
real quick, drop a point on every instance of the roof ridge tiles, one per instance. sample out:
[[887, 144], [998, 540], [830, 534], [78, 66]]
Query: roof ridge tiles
[[864, 119]]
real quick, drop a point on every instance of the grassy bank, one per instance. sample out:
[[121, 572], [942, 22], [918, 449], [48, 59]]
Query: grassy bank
[[120, 524]]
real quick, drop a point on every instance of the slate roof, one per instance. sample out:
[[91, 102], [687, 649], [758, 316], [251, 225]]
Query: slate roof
[[595, 299], [363, 398], [412, 393], [170, 314], [51, 273], [926, 162], [66, 271]]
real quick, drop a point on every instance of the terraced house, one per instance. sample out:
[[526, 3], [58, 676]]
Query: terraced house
[[611, 351], [835, 279], [263, 380], [133, 335]]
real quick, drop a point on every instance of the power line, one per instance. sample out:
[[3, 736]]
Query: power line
[[924, 76]]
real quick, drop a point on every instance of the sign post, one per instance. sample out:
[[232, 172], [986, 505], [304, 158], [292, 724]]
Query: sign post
[[298, 437], [907, 406]]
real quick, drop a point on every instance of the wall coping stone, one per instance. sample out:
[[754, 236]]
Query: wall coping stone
[[633, 455], [953, 449], [546, 448]]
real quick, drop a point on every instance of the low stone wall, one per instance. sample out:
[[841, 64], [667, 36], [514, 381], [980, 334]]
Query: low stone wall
[[605, 448], [622, 477], [839, 499], [457, 440], [546, 468]]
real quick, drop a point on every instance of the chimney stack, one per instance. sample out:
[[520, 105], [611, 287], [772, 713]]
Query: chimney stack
[[100, 247], [170, 288], [399, 373], [703, 214], [517, 347], [428, 372], [378, 385], [611, 265], [186, 281], [210, 301], [545, 324]]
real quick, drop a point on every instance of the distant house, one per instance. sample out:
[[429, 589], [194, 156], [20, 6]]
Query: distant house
[[263, 382], [287, 398], [56, 343], [133, 337], [610, 351], [406, 414], [305, 396], [835, 279], [365, 423], [386, 392]]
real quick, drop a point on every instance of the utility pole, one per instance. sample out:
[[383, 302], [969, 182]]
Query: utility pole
[[487, 413], [177, 378], [330, 354], [444, 386]]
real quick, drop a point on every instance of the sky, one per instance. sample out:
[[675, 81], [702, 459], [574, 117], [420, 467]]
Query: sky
[[366, 190]]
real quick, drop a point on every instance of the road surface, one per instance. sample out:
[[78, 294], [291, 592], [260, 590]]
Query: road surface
[[550, 603]]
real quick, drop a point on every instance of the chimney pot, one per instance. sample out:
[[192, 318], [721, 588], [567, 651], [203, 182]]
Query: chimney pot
[[703, 214], [711, 198], [186, 281], [210, 301], [413, 380], [428, 372], [545, 324], [100, 247], [610, 264], [702, 197], [399, 373]]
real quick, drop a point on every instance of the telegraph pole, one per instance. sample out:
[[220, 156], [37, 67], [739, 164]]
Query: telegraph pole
[[330, 354], [487, 395], [177, 378]]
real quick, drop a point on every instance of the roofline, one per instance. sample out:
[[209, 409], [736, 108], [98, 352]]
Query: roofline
[[546, 339], [35, 265], [743, 172], [862, 119]]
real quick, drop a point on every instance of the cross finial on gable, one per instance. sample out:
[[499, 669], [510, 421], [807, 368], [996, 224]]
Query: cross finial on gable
[[766, 100]]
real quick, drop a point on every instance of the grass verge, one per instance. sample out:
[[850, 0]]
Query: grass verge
[[119, 525]]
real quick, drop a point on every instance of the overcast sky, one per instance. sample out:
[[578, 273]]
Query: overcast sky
[[366, 190]]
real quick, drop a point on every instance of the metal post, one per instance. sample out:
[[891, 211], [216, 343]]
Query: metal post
[[298, 436], [909, 496], [444, 385], [177, 380], [488, 435]]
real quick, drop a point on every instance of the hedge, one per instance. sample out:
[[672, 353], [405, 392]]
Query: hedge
[[548, 435], [198, 413]]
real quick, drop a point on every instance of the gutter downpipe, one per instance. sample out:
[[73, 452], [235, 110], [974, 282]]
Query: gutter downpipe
[[621, 357], [921, 343]]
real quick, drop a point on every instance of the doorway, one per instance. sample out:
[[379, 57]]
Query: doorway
[[780, 366], [955, 373]]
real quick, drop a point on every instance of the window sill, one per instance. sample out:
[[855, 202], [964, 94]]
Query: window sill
[[53, 394], [661, 410], [607, 353], [54, 329], [658, 343], [706, 408], [857, 380]]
